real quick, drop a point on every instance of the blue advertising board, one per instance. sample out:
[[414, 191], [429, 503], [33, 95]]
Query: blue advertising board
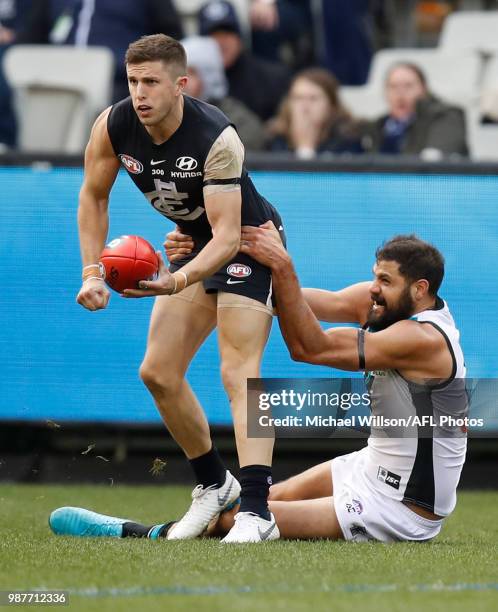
[[61, 362]]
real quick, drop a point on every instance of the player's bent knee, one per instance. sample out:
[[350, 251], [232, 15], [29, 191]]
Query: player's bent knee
[[160, 380]]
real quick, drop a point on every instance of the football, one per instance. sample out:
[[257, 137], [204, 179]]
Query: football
[[127, 260]]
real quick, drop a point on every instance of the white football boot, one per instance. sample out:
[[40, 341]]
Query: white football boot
[[250, 527], [207, 503]]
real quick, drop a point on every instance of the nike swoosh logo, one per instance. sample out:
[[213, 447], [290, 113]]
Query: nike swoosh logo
[[222, 501], [264, 535], [154, 163], [232, 282]]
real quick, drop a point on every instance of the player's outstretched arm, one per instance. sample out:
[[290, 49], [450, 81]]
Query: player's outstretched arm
[[300, 328], [417, 351], [101, 169], [349, 305], [404, 346]]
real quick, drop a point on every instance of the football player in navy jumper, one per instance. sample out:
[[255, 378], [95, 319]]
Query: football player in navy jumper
[[186, 158]]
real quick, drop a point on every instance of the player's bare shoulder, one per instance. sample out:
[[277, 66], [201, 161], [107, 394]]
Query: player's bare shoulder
[[415, 335], [430, 335], [416, 349], [101, 163], [99, 143]]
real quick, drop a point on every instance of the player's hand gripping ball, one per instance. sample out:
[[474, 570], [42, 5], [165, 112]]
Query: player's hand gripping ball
[[127, 260]]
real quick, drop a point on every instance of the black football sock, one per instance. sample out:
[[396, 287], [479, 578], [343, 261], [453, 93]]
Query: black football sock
[[209, 469], [255, 481], [136, 530]]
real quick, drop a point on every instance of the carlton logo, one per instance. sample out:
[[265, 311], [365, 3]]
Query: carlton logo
[[239, 270], [131, 164], [186, 163]]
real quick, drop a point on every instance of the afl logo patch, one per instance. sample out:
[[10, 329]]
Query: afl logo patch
[[186, 163], [239, 270], [131, 164]]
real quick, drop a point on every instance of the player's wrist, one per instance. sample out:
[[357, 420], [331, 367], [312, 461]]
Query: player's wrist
[[91, 271], [92, 278], [180, 281], [282, 264]]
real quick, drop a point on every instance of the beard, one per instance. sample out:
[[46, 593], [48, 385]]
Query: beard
[[401, 311]]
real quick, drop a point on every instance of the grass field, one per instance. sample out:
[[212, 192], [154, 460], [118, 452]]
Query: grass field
[[456, 572]]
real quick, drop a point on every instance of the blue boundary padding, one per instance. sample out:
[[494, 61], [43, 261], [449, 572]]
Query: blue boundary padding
[[60, 362]]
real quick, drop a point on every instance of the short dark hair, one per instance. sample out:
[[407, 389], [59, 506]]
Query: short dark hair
[[417, 259], [158, 47], [409, 66]]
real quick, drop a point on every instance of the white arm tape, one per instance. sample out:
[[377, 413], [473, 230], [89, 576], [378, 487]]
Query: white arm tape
[[93, 278]]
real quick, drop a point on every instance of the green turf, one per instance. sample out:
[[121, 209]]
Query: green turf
[[206, 575]]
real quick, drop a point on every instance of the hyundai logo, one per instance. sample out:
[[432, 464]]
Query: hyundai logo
[[186, 163]]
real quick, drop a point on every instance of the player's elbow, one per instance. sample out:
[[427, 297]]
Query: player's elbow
[[298, 353], [304, 350], [91, 201], [233, 247], [305, 356]]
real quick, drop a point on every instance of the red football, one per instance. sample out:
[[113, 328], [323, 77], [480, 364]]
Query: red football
[[127, 260]]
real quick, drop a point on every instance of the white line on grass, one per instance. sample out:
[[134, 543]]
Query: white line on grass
[[138, 591]]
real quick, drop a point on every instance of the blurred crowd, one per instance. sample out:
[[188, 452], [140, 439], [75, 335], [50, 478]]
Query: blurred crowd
[[278, 76]]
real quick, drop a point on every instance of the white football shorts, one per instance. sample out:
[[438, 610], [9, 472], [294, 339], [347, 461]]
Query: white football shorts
[[367, 514]]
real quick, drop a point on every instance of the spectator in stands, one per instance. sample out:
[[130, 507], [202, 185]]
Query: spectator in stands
[[12, 13], [348, 38], [275, 23], [259, 84], [48, 21], [105, 23], [207, 81], [312, 119], [417, 123]]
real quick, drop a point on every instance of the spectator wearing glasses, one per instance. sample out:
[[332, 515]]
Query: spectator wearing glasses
[[417, 123]]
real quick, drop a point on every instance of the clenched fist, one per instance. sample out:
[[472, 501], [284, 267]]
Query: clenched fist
[[93, 294]]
